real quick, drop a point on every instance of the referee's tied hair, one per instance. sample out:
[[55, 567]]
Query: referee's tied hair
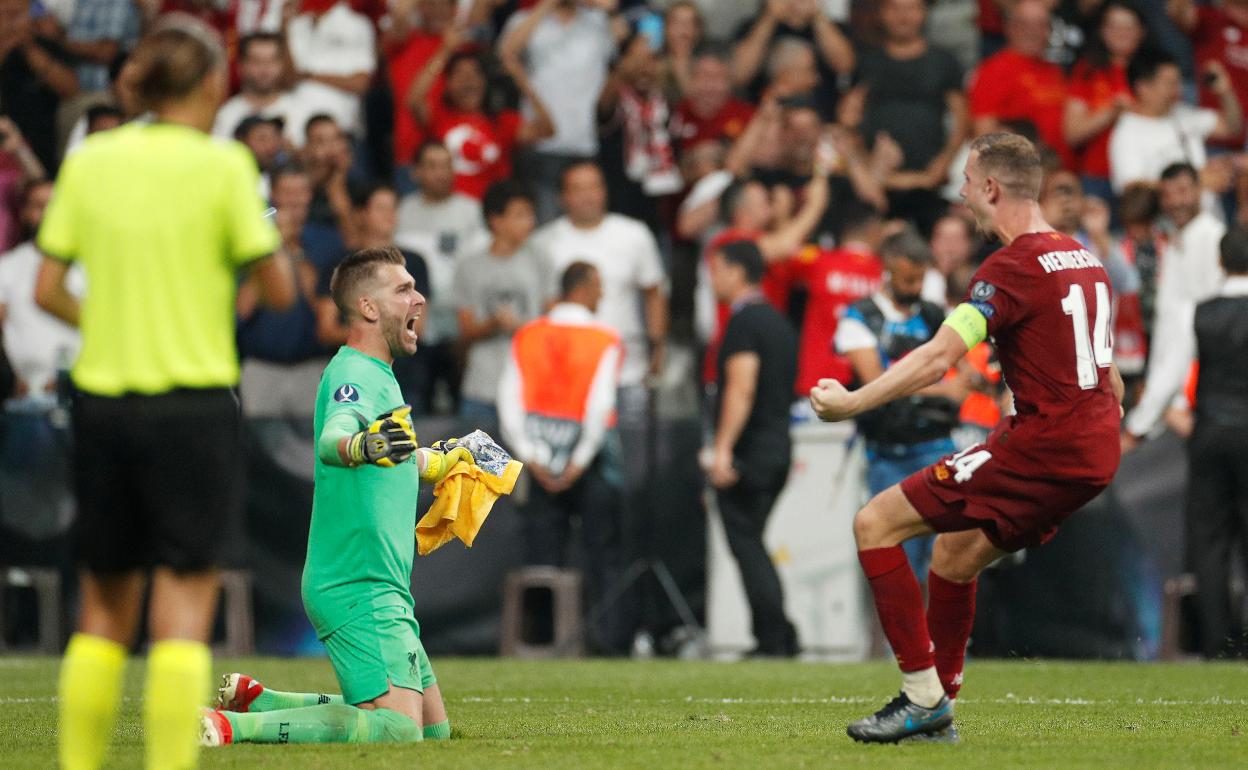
[[747, 256], [1234, 249], [173, 59], [354, 273]]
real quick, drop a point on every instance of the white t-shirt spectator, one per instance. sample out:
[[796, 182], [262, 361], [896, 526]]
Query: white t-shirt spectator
[[567, 65], [1191, 272], [627, 257], [35, 342], [1141, 147], [340, 43], [286, 107], [442, 232]]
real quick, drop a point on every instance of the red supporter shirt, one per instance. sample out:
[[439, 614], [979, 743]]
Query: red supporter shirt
[[1217, 38], [688, 129], [480, 146], [1010, 86], [406, 63], [835, 279], [1048, 305], [1097, 89]]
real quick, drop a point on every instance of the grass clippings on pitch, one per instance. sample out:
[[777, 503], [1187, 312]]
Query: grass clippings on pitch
[[770, 715]]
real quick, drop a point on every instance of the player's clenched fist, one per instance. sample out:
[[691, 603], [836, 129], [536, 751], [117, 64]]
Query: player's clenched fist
[[388, 441], [831, 401]]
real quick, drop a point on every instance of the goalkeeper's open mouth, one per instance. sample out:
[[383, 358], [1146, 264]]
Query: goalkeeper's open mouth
[[410, 326]]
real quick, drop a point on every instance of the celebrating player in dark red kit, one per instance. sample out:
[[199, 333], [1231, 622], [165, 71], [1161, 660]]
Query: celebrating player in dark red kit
[[1045, 302]]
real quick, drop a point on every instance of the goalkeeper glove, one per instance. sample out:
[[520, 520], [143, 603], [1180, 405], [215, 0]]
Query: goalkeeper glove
[[441, 457], [390, 440]]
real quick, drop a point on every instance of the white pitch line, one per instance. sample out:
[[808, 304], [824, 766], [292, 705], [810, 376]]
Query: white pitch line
[[853, 700]]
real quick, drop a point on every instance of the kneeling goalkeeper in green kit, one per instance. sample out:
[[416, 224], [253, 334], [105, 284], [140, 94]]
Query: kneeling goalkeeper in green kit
[[357, 577]]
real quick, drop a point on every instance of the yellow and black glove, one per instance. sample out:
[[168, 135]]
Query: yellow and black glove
[[441, 457], [388, 441]]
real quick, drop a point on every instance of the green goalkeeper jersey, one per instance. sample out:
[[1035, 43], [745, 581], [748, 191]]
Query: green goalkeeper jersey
[[361, 542]]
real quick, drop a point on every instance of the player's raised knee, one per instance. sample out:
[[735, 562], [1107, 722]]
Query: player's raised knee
[[869, 526]]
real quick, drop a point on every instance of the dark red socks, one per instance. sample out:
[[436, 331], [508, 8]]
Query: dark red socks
[[900, 606], [950, 616]]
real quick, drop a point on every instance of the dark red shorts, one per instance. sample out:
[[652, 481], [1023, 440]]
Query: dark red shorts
[[978, 489]]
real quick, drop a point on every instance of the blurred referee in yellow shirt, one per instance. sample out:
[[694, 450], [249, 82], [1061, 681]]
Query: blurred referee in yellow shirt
[[162, 218]]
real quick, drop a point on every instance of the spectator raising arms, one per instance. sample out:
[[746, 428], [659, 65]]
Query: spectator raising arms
[[683, 32], [408, 49], [911, 87], [1099, 91], [1219, 33], [565, 46], [1159, 129], [35, 77], [334, 52], [636, 148], [98, 33], [481, 141], [778, 20], [1017, 84]]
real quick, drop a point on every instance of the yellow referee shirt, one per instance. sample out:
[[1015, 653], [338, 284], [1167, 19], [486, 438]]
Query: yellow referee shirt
[[161, 217]]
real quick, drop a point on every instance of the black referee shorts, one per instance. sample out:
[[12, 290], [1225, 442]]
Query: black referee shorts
[[159, 480]]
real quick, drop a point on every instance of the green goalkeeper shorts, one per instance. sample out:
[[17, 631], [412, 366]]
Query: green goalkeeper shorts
[[375, 651]]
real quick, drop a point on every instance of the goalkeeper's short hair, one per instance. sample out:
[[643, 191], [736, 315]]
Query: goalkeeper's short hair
[[356, 271]]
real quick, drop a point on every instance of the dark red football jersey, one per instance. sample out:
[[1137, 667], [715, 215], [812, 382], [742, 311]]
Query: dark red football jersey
[[1048, 304]]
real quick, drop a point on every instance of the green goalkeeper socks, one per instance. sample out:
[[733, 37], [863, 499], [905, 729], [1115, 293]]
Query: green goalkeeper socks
[[327, 723], [439, 732], [275, 700]]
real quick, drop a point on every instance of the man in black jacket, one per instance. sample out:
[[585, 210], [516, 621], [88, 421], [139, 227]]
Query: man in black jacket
[[757, 367]]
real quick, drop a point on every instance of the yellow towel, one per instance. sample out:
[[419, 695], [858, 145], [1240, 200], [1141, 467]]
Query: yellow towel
[[461, 503]]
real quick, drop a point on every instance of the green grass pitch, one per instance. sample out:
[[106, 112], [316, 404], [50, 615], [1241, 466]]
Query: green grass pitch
[[771, 715]]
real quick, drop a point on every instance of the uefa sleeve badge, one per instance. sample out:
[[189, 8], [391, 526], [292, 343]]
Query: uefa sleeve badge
[[347, 394]]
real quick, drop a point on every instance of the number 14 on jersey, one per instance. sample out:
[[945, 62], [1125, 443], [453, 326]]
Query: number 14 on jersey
[[1095, 350]]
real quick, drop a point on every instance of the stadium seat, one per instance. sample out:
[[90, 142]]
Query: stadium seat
[[1173, 592], [240, 634], [567, 635], [46, 584]]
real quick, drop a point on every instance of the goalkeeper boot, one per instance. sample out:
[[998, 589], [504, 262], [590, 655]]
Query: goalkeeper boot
[[901, 718], [214, 728], [237, 691]]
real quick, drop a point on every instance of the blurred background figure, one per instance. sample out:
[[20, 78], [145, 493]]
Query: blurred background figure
[[565, 46], [904, 436], [496, 291], [750, 451], [556, 401]]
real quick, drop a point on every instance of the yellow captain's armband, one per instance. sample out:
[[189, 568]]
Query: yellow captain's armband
[[969, 323]]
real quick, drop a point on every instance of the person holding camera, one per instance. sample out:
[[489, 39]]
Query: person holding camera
[[906, 435]]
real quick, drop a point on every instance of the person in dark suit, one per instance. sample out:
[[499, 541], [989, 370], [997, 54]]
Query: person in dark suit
[[1217, 488], [757, 367]]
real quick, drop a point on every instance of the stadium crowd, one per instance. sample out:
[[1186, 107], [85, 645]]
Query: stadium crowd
[[498, 142]]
